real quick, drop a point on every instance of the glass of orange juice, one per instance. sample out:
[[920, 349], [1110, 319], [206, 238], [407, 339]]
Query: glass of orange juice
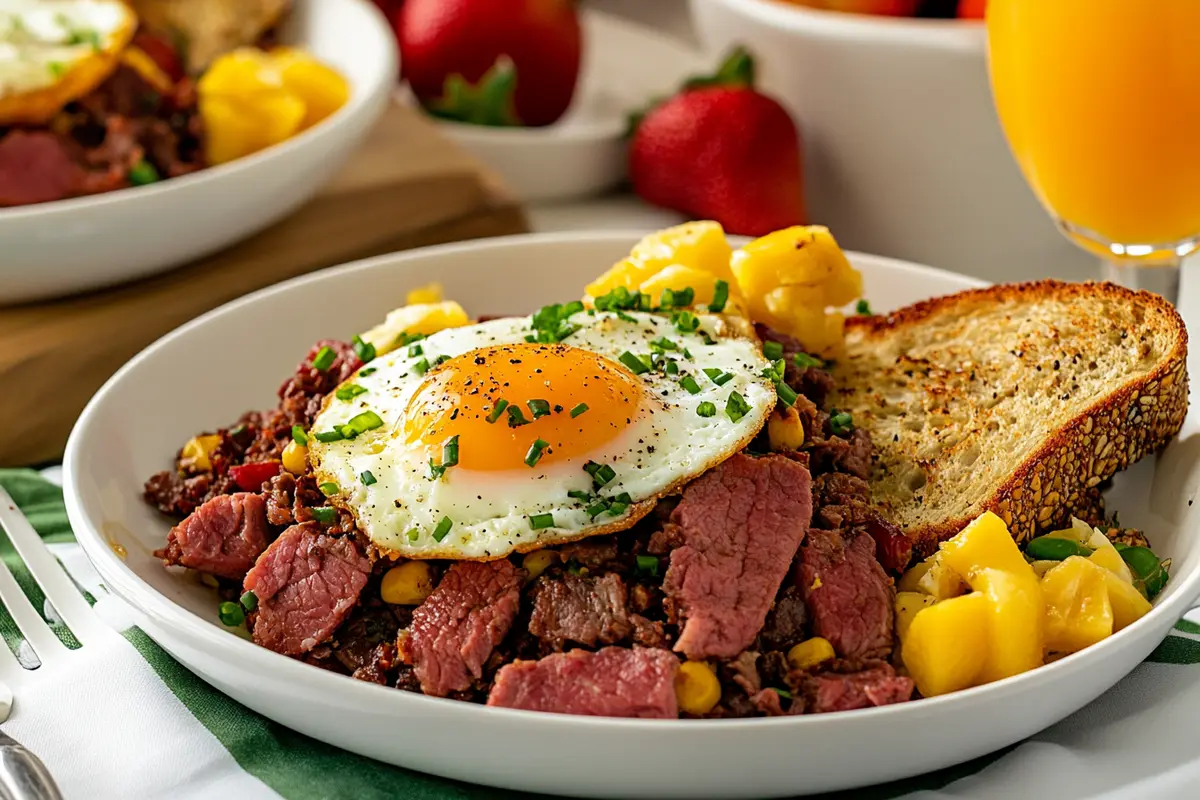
[[1100, 101]]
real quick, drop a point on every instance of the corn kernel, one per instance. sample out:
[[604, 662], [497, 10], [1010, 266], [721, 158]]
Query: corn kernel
[[295, 458], [697, 689], [429, 293], [785, 431], [407, 584], [538, 561], [198, 449], [810, 653]]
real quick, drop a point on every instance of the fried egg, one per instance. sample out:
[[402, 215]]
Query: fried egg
[[476, 442], [55, 51]]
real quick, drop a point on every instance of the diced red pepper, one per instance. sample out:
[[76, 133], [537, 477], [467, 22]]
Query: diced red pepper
[[251, 477]]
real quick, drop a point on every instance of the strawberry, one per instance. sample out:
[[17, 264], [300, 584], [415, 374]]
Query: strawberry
[[491, 62], [721, 150], [972, 9]]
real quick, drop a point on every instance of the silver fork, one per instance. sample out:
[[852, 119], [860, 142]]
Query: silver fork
[[22, 774]]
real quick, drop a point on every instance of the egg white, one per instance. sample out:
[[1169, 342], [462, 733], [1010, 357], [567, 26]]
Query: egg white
[[490, 511]]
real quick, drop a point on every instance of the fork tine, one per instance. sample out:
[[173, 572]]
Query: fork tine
[[29, 621], [65, 597]]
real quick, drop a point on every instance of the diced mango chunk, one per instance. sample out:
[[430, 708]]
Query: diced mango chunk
[[429, 293], [322, 88], [677, 277], [423, 318], [1105, 555], [906, 605], [237, 126], [910, 581], [1128, 604], [626, 272], [939, 581], [946, 645], [1078, 611], [984, 544], [699, 245]]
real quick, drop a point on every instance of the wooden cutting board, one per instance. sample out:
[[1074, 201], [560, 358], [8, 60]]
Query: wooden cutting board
[[407, 187]]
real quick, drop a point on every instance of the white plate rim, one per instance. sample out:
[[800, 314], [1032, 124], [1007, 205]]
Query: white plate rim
[[125, 583]]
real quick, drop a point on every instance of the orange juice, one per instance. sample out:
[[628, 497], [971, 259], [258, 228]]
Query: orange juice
[[1100, 100]]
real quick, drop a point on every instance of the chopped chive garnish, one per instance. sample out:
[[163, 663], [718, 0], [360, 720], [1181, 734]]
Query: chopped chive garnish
[[643, 302], [550, 322], [736, 406], [841, 423], [689, 383], [529, 337], [421, 367], [497, 410], [863, 307], [706, 409], [366, 477], [579, 409], [601, 473], [415, 350], [538, 408], [364, 350], [776, 371], [249, 601], [442, 359], [541, 521], [368, 371], [585, 497], [773, 350], [663, 343], [616, 508], [299, 436], [720, 297], [618, 298], [327, 436], [349, 391], [413, 534], [685, 321], [328, 488], [143, 173], [647, 565], [361, 423], [677, 298], [408, 338], [596, 509], [687, 354], [621, 315], [323, 514], [324, 358], [442, 529], [784, 693], [231, 614], [534, 455], [515, 417], [786, 394], [450, 452], [805, 361], [717, 376], [672, 367], [635, 364]]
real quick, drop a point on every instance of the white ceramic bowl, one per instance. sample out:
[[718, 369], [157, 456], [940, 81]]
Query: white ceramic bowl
[[199, 377], [69, 246], [625, 65], [904, 154]]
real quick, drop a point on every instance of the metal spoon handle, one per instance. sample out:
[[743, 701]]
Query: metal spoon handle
[[24, 777]]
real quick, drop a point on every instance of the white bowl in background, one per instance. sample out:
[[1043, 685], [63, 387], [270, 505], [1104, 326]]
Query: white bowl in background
[[624, 66], [202, 376], [69, 246], [904, 154]]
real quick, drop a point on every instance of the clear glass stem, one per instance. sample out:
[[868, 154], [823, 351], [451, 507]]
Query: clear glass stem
[[1162, 278]]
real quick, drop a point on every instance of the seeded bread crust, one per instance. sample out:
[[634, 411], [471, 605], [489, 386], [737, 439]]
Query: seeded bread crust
[[1018, 399]]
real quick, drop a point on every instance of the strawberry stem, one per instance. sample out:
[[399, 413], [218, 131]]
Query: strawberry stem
[[489, 102]]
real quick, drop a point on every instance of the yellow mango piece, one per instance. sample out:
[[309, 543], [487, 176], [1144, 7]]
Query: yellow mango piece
[[429, 293], [939, 581], [625, 272], [239, 73], [676, 277], [1128, 604], [799, 311], [1078, 611], [796, 256], [991, 563], [906, 606], [236, 127], [1105, 555], [321, 87], [844, 286], [910, 581], [424, 318], [946, 645], [699, 245]]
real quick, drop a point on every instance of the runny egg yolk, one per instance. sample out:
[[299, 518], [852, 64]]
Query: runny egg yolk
[[459, 397]]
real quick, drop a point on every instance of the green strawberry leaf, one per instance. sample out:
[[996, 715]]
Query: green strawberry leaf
[[489, 102], [735, 71]]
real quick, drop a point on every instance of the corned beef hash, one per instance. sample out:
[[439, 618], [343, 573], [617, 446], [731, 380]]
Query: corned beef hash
[[638, 504]]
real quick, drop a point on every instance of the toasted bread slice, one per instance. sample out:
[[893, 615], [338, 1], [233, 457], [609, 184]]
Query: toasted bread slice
[[1018, 399]]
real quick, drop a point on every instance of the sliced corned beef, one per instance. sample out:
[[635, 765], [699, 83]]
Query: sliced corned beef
[[877, 685], [35, 167], [306, 583], [848, 594], [611, 682], [223, 536], [580, 609], [741, 524], [454, 631]]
